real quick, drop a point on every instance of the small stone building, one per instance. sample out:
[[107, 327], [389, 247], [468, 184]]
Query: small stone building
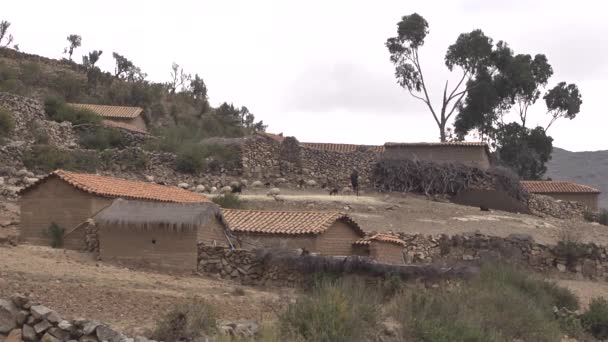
[[565, 191], [328, 233], [129, 118], [158, 235], [68, 199], [382, 247], [474, 154]]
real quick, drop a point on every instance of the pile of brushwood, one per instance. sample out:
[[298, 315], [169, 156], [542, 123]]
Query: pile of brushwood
[[432, 178]]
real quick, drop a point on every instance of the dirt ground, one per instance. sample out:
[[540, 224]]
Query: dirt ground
[[131, 300], [416, 214]]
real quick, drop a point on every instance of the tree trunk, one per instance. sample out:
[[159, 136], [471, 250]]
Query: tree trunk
[[442, 136]]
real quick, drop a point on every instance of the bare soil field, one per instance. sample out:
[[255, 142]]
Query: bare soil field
[[131, 300], [416, 214]]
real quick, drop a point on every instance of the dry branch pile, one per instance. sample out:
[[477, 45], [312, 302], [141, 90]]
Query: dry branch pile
[[445, 178]]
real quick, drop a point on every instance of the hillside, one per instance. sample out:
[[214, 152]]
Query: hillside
[[589, 168]]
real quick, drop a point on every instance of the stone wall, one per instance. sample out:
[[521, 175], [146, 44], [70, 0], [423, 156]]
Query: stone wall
[[583, 260], [22, 319], [542, 206]]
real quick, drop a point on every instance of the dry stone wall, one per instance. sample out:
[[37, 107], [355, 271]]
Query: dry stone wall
[[541, 205]]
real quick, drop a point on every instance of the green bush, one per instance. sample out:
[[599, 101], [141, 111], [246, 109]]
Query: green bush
[[68, 85], [46, 158], [128, 159], [31, 74], [228, 201], [188, 320], [59, 111], [595, 319], [101, 138], [190, 159], [503, 304], [56, 233], [604, 217], [7, 123], [334, 311]]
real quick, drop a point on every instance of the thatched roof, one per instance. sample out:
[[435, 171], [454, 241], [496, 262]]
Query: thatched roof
[[145, 215]]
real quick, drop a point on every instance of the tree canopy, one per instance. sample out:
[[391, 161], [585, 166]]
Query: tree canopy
[[75, 42]]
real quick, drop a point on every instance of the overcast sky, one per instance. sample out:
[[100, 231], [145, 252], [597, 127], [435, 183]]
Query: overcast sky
[[319, 70]]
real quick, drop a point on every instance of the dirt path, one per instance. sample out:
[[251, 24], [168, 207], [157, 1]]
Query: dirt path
[[415, 214], [74, 284]]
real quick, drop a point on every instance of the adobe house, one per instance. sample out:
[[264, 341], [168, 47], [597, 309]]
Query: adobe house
[[117, 116], [382, 247], [158, 235], [566, 191], [69, 199], [329, 233], [474, 154]]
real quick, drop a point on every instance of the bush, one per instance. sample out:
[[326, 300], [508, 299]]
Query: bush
[[46, 158], [334, 311], [604, 217], [503, 304], [190, 159], [595, 319], [128, 159], [7, 123], [228, 201], [68, 85], [59, 111], [190, 319], [101, 138], [56, 233]]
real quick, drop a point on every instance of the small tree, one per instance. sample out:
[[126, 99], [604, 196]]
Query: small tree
[[8, 39], [75, 42], [7, 123], [179, 79], [126, 70], [563, 101], [90, 60]]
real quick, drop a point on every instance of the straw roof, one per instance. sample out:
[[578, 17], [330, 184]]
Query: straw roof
[[145, 215]]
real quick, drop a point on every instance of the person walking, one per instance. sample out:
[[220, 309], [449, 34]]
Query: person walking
[[354, 181]]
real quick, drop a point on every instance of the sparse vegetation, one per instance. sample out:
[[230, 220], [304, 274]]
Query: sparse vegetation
[[56, 233], [7, 123], [603, 219], [59, 111], [101, 138], [228, 201], [595, 319], [46, 158], [333, 311], [501, 305], [194, 158], [190, 319]]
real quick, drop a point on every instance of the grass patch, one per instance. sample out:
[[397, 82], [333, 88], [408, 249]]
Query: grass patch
[[228, 201], [189, 320], [7, 123], [333, 311], [503, 304]]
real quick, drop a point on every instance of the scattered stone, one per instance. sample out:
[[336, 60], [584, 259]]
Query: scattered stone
[[22, 173], [183, 185], [226, 190], [49, 338], [234, 184], [65, 325], [104, 333], [150, 178], [213, 190], [14, 336], [8, 313], [89, 327], [274, 192], [28, 333], [59, 333], [200, 188], [347, 190], [561, 267], [311, 182], [280, 180], [244, 182], [40, 311], [30, 181], [42, 326], [88, 339], [21, 317], [257, 184], [19, 300], [246, 329]]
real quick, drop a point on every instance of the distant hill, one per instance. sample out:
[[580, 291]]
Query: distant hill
[[589, 168]]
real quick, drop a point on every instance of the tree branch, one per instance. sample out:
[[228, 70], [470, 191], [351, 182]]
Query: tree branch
[[455, 105], [457, 86], [416, 62]]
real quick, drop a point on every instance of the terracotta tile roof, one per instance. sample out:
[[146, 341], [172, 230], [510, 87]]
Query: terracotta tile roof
[[284, 222], [380, 237], [438, 144], [123, 188], [344, 148], [123, 125], [547, 187], [110, 111]]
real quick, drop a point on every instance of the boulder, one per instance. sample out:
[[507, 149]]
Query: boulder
[[311, 182], [226, 190], [183, 185], [22, 173], [49, 338], [8, 315], [104, 333], [14, 336], [89, 327], [235, 184], [1, 181], [42, 326], [213, 190], [347, 190], [21, 317], [257, 184], [150, 178], [40, 311], [280, 180], [274, 192], [244, 182], [65, 325], [88, 338], [28, 334], [200, 188], [60, 334]]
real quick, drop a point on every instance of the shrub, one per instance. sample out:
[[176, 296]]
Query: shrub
[[595, 319], [101, 138], [46, 158], [56, 233], [68, 85], [7, 123], [604, 217], [228, 201], [334, 311], [190, 319], [59, 111], [190, 159], [503, 304], [31, 74], [129, 159]]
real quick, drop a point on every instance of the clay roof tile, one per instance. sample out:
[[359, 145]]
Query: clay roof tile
[[547, 187], [110, 111]]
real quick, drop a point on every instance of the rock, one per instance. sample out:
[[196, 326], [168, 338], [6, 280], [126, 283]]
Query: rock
[[226, 190], [14, 336], [22, 173], [42, 326], [88, 339], [65, 325], [28, 334], [30, 180], [311, 182], [200, 188], [257, 184], [246, 329], [40, 311], [280, 180], [183, 185], [140, 339], [49, 338], [89, 327], [213, 190], [1, 181], [19, 300], [234, 184], [104, 333], [244, 182], [274, 192], [8, 315], [150, 178], [561, 267], [60, 334], [21, 317], [347, 190]]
